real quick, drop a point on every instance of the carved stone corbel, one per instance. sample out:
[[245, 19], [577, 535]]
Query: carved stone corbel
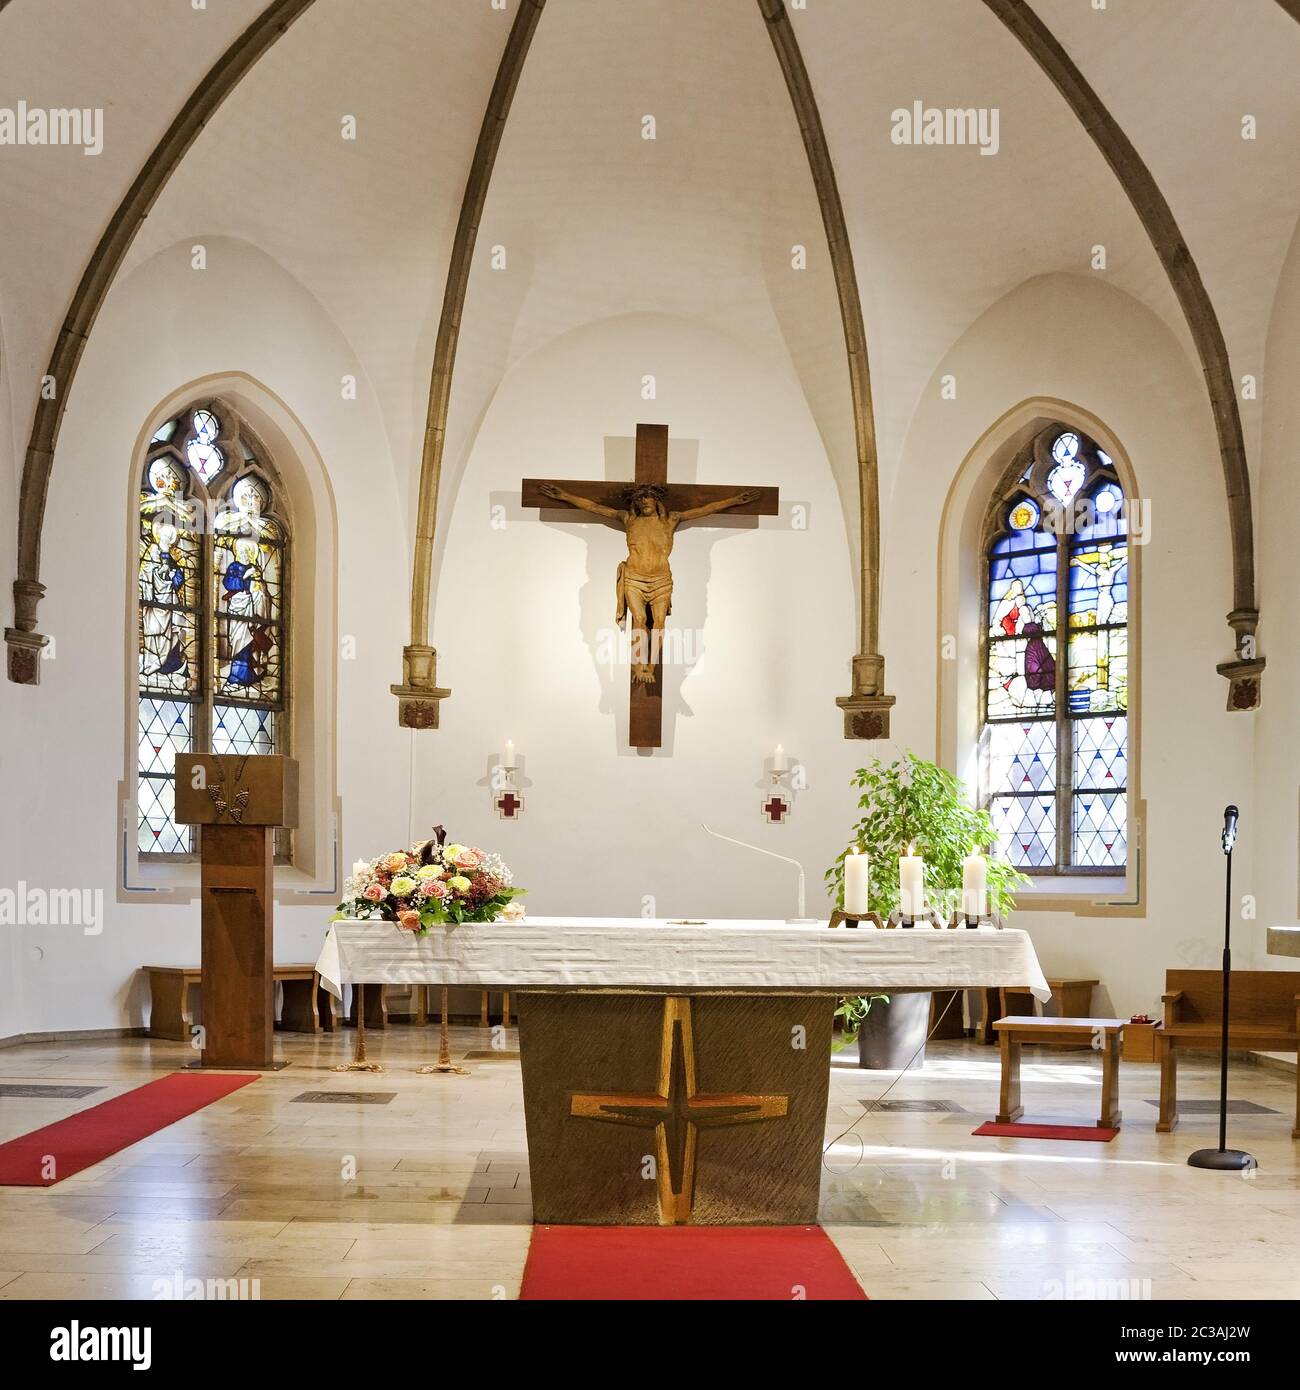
[[1245, 672], [866, 711], [419, 695], [24, 643]]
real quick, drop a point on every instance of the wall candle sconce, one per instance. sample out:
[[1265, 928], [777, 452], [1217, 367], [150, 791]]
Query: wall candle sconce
[[506, 800], [777, 804]]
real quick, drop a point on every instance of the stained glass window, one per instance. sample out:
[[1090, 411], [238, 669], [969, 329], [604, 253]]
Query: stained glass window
[[212, 571], [1055, 745]]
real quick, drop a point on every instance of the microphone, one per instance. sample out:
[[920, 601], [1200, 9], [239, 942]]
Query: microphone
[[1229, 836]]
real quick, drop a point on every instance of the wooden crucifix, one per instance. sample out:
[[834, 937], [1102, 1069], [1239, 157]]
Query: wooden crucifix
[[648, 510]]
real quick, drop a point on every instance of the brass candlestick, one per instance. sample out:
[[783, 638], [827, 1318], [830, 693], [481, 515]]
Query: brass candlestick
[[961, 918], [444, 1064], [358, 1062], [854, 919]]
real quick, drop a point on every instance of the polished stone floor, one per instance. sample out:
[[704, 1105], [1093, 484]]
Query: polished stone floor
[[426, 1195]]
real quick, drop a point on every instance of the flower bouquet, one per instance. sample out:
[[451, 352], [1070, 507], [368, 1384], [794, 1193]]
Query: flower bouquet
[[431, 884]]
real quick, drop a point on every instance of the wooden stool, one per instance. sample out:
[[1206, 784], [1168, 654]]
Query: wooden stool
[[1060, 1032]]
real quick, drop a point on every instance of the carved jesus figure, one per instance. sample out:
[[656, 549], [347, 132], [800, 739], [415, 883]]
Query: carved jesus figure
[[645, 581]]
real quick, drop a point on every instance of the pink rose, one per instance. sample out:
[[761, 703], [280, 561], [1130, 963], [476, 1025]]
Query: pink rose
[[374, 893], [468, 858], [409, 921], [433, 888]]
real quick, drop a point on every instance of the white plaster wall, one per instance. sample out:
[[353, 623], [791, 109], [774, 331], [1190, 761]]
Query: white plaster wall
[[11, 699], [520, 612], [164, 325], [1277, 525], [1078, 340]]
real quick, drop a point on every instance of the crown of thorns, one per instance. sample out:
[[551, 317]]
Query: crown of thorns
[[633, 494]]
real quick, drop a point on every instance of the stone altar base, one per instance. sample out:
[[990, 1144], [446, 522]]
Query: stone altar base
[[659, 1108]]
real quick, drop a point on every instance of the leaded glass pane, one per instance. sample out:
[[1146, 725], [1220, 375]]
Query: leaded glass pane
[[1022, 676], [165, 728], [1065, 480], [243, 729], [1100, 836], [1022, 584], [167, 578], [1066, 509], [1099, 584], [248, 562], [207, 428], [1101, 516], [1101, 753], [1026, 827], [1022, 757], [1097, 679], [205, 459]]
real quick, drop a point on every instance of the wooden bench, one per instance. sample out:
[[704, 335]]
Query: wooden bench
[[307, 1007], [1265, 1014], [1103, 1034]]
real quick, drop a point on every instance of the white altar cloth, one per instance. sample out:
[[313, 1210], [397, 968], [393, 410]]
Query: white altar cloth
[[630, 952]]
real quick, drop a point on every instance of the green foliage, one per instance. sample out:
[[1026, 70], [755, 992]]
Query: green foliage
[[453, 912], [852, 1014], [914, 802]]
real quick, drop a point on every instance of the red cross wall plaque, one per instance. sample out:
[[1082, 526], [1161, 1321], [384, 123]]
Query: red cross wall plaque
[[776, 808]]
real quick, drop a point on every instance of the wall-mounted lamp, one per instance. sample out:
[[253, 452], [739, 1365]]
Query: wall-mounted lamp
[[506, 800], [777, 803]]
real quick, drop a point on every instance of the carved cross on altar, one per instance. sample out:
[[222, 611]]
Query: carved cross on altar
[[648, 510], [677, 1110]]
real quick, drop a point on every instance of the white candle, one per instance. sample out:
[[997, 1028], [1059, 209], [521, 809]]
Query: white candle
[[508, 753], [974, 885], [911, 885], [857, 883], [780, 762]]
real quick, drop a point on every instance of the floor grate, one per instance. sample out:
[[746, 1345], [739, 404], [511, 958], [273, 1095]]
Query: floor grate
[[20, 1092], [345, 1097]]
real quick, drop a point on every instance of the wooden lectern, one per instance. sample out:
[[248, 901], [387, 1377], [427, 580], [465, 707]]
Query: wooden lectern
[[238, 800]]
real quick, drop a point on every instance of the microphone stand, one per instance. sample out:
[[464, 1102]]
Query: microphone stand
[[1223, 1158]]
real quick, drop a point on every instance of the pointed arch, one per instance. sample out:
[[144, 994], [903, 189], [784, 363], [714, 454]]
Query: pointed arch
[[1011, 459], [23, 641], [1166, 237]]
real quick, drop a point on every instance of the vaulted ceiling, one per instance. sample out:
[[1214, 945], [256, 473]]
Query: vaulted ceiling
[[699, 222]]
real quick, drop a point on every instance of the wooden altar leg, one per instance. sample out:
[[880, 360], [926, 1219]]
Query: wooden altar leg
[[505, 1017], [358, 1062], [444, 1065], [483, 1018]]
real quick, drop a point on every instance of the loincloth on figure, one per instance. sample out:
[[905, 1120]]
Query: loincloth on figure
[[649, 589]]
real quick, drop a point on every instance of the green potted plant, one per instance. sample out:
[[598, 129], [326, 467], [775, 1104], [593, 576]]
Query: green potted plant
[[911, 802]]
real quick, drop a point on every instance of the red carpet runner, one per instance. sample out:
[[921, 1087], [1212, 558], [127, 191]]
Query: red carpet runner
[[1090, 1133], [686, 1262], [46, 1156]]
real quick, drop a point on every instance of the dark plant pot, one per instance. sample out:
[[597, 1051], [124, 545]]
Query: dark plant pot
[[893, 1035]]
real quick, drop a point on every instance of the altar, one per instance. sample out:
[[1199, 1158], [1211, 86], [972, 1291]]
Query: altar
[[676, 1072]]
